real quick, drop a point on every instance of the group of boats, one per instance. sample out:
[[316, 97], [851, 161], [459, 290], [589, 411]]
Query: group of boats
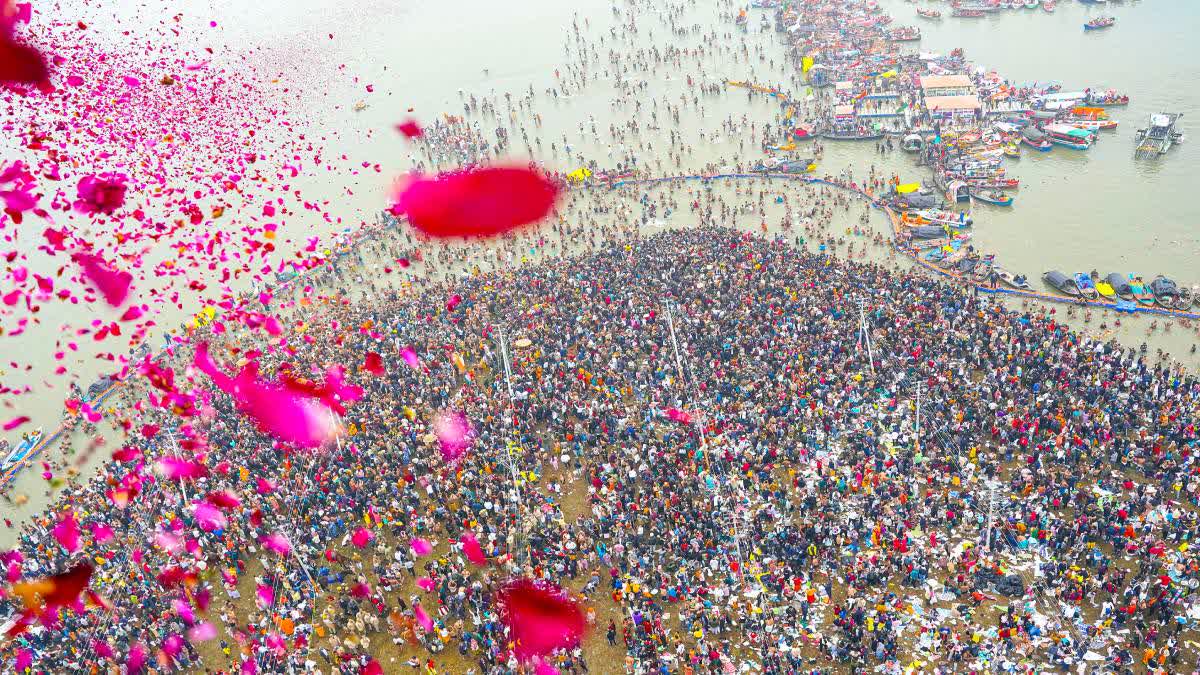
[[974, 9], [1116, 287]]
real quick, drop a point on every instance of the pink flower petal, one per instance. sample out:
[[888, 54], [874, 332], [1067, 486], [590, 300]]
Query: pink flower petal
[[426, 584], [541, 618], [112, 283], [420, 546], [66, 532], [264, 596], [410, 128], [454, 434], [101, 533], [277, 543], [477, 203], [177, 468], [15, 422], [209, 517], [361, 537], [410, 357], [374, 364], [472, 549], [423, 618], [202, 632]]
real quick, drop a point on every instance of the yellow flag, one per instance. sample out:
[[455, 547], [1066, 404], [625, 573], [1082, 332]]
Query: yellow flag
[[806, 64]]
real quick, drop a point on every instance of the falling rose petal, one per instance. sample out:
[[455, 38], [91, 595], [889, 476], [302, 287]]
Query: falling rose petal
[[472, 549], [202, 632], [209, 517], [20, 63], [454, 434], [476, 203], [541, 618], [102, 649], [59, 590], [410, 128], [420, 547], [113, 284], [454, 301], [544, 668], [101, 533], [264, 596], [15, 422], [66, 532], [423, 618], [264, 486], [410, 357], [425, 584], [360, 591], [24, 660], [372, 668], [679, 416], [101, 194], [177, 468], [281, 411], [223, 499], [374, 364], [277, 543], [135, 659], [361, 537]]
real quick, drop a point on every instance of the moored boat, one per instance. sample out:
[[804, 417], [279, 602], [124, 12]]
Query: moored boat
[[1016, 281], [1099, 23], [1139, 291], [993, 197], [1034, 138], [29, 441], [1087, 287], [967, 13], [1061, 283], [928, 13], [1049, 5], [1120, 285], [1185, 298], [1166, 293], [1069, 136]]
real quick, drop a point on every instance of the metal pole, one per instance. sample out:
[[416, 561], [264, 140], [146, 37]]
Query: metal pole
[[864, 333], [508, 443], [991, 512]]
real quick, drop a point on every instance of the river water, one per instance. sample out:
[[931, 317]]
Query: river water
[[1075, 211]]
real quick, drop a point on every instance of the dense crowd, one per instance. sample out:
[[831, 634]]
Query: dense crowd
[[767, 496]]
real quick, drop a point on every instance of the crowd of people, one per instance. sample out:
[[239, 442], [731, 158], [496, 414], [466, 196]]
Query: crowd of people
[[768, 494]]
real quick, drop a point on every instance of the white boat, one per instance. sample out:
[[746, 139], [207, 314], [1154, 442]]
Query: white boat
[[23, 449], [1032, 4]]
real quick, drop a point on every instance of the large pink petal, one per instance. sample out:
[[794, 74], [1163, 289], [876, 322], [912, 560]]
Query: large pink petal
[[477, 203]]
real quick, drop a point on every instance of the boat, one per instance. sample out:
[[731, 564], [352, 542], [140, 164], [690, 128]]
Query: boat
[[939, 217], [1120, 285], [1012, 150], [1108, 97], [852, 135], [1159, 136], [927, 232], [1034, 138], [29, 441], [1087, 287], [1106, 291], [1032, 4], [1185, 298], [1099, 23], [963, 13], [1140, 293], [1016, 281], [1088, 117], [1069, 136], [904, 34], [993, 197], [1049, 5], [1166, 293], [1061, 283], [928, 13], [912, 143]]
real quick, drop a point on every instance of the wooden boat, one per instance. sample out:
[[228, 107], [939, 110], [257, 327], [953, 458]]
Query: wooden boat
[[1140, 293], [1106, 291], [1166, 293], [1032, 4], [967, 13], [993, 197], [1035, 139], [1106, 98], [1049, 5], [1012, 150], [851, 136], [1069, 136], [1185, 298], [1016, 281], [1087, 287], [928, 13], [904, 34], [28, 442], [1099, 23], [1120, 285], [1061, 283]]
